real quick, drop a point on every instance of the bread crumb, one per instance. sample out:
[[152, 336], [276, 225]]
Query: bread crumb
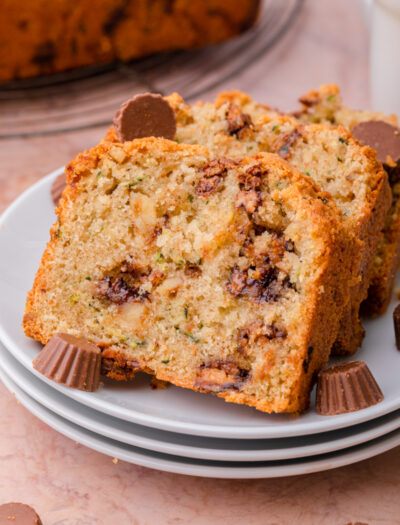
[[115, 460]]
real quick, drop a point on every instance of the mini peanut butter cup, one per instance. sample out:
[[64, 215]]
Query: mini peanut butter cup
[[18, 514], [58, 187], [346, 388], [146, 115], [382, 137], [71, 361]]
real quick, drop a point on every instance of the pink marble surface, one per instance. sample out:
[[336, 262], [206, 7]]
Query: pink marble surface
[[69, 484]]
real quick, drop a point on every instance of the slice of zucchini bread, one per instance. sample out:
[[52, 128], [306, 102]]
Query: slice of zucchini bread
[[219, 275], [325, 105], [236, 126]]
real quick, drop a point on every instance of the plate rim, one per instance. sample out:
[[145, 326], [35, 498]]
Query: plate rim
[[328, 423], [59, 405], [109, 448]]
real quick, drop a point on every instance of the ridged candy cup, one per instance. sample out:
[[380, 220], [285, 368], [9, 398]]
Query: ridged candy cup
[[346, 388], [72, 361]]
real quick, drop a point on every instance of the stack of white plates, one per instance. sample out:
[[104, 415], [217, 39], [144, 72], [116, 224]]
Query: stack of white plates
[[174, 429]]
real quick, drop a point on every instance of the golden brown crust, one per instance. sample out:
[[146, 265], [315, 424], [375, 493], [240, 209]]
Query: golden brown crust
[[351, 332], [48, 37], [386, 264]]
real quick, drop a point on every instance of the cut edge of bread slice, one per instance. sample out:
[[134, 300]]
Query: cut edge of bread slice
[[235, 125], [325, 105], [218, 275]]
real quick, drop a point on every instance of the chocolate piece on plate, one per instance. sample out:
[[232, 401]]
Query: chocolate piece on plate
[[18, 514], [346, 388], [396, 322], [382, 137], [58, 187], [146, 115], [71, 361]]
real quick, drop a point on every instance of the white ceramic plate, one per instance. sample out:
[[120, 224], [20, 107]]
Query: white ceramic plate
[[192, 446], [23, 234], [198, 467]]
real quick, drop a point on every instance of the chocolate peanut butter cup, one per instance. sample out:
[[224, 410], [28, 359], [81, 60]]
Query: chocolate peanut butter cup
[[346, 388], [146, 115], [71, 361], [18, 514], [382, 137], [58, 187]]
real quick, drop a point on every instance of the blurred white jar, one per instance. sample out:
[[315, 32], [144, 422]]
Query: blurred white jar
[[384, 23]]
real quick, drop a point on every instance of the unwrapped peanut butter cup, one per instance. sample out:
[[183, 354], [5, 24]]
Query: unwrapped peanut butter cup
[[382, 137], [58, 187], [346, 388], [71, 361], [18, 514], [146, 115]]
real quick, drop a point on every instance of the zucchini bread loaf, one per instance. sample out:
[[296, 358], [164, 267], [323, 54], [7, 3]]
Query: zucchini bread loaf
[[219, 275], [42, 37], [325, 105], [236, 126]]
